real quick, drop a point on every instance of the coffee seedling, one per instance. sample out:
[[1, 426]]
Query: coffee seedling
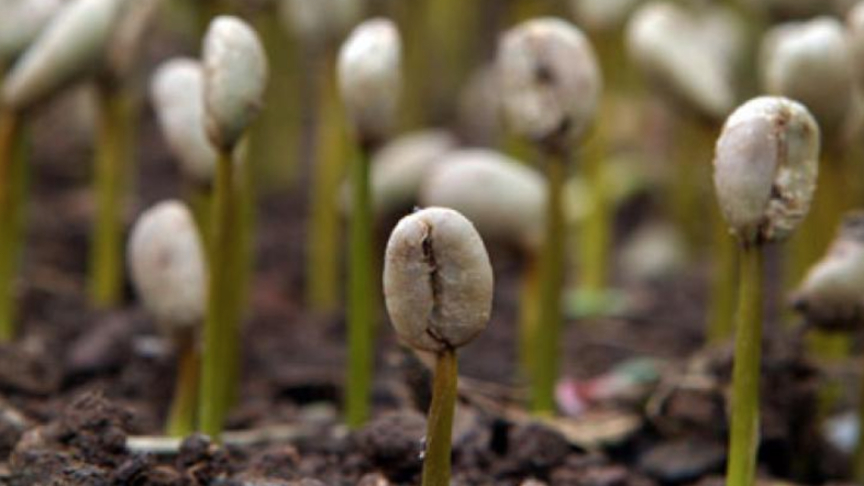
[[235, 75], [765, 169], [167, 265], [370, 78], [550, 85], [438, 290]]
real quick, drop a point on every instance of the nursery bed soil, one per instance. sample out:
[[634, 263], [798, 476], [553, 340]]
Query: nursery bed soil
[[78, 383]]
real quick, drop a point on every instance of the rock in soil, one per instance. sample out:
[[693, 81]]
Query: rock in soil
[[393, 442], [535, 448], [202, 461], [86, 446]]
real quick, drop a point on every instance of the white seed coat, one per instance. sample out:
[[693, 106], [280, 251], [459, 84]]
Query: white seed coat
[[437, 280], [177, 91], [684, 56], [793, 53], [765, 168], [370, 77], [71, 46], [505, 199], [235, 77], [549, 78], [21, 21], [166, 260]]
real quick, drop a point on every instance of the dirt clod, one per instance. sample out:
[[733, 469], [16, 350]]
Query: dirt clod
[[393, 442]]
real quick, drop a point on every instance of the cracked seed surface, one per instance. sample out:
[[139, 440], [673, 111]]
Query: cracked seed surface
[[549, 79], [765, 168], [437, 280]]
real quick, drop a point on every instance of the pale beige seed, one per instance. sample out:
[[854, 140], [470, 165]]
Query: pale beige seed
[[765, 168], [793, 52], [235, 76], [71, 46], [166, 262], [437, 280], [177, 92], [504, 198], [549, 79], [370, 77], [832, 293], [688, 55], [21, 21]]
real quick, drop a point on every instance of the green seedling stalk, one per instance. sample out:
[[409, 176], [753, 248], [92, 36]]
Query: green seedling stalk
[[695, 141], [595, 237], [744, 436], [200, 199], [551, 281], [273, 143], [450, 34], [13, 175], [360, 297], [323, 264], [220, 324], [721, 312], [242, 265], [181, 417], [436, 461], [521, 10], [113, 159], [528, 314], [596, 233], [417, 42]]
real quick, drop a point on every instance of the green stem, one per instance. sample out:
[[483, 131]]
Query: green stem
[[12, 201], [695, 142], [113, 154], [360, 296], [181, 417], [436, 461], [744, 439], [551, 282], [323, 263], [220, 323], [241, 268], [721, 313], [450, 48], [199, 197], [528, 311], [596, 235]]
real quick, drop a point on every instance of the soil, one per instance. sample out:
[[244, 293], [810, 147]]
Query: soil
[[80, 385]]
